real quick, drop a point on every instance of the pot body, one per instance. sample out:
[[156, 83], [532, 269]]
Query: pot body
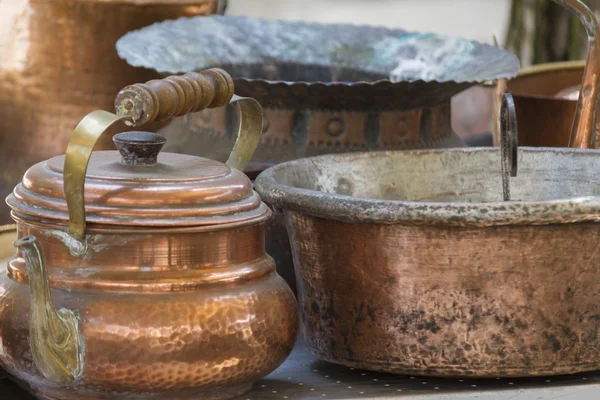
[[169, 318], [449, 301], [58, 63], [410, 262]]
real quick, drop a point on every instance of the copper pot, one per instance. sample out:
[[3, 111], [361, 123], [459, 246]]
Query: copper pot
[[544, 118], [151, 281], [410, 261], [58, 62]]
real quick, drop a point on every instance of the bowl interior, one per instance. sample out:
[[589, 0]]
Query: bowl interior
[[457, 175]]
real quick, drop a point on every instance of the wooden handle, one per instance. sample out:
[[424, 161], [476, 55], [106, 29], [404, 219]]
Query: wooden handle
[[161, 99]]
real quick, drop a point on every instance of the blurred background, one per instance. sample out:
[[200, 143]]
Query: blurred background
[[473, 19]]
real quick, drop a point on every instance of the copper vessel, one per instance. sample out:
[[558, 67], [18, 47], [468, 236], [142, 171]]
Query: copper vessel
[[544, 116], [58, 62], [437, 262], [142, 275], [325, 88]]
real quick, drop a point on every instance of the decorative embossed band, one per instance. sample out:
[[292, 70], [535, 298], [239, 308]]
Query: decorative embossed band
[[293, 133]]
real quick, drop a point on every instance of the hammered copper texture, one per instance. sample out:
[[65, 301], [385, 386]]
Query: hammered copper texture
[[434, 302], [58, 64], [410, 262], [197, 314]]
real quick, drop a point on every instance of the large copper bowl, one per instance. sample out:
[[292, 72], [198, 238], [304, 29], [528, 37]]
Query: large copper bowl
[[409, 262]]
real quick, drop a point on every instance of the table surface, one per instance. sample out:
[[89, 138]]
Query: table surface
[[302, 377]]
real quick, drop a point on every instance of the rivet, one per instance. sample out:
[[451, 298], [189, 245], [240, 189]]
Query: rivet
[[402, 129], [128, 105], [335, 127]]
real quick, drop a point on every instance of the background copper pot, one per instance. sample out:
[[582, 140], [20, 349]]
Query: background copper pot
[[57, 63], [545, 119]]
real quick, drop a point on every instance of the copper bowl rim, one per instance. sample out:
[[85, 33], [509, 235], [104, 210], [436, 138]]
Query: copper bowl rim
[[481, 214]]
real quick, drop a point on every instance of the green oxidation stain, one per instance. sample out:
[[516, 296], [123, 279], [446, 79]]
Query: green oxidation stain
[[346, 55]]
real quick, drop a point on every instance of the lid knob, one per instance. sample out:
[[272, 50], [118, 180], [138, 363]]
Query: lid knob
[[139, 148]]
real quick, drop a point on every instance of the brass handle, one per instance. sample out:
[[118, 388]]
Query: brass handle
[[156, 100], [54, 335], [584, 123]]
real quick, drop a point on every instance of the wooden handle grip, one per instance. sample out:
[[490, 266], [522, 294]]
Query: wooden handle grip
[[161, 99]]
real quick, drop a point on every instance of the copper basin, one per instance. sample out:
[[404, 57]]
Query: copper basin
[[409, 262]]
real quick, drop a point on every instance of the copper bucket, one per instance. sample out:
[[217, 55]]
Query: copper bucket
[[57, 62], [451, 262], [544, 116]]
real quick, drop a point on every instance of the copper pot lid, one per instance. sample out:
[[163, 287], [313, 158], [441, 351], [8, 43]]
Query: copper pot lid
[[138, 186]]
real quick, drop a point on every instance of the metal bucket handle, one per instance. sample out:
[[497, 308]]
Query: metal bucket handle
[[584, 123]]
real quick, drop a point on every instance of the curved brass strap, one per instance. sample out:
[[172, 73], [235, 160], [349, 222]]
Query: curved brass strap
[[249, 131], [78, 155]]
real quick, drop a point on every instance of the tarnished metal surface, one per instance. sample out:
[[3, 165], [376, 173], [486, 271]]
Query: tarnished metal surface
[[410, 262], [190, 44], [58, 63]]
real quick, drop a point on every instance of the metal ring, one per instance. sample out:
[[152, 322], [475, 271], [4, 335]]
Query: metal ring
[[508, 142]]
